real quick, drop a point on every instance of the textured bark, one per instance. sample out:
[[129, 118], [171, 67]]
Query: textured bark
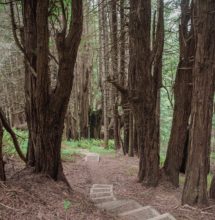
[[143, 90], [195, 188], [104, 68], [2, 172], [46, 110], [131, 135], [30, 45], [176, 153], [114, 56]]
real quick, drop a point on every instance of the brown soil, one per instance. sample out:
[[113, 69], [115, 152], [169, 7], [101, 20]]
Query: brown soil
[[122, 171], [29, 196], [26, 196]]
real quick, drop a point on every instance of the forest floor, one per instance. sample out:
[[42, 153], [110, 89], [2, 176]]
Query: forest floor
[[27, 196]]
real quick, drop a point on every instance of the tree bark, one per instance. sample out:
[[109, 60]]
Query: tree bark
[[46, 108], [143, 90], [104, 67], [114, 53], [2, 172], [182, 94], [195, 188]]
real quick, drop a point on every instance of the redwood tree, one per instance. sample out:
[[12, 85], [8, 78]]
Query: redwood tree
[[45, 106], [182, 95], [144, 78], [2, 172], [195, 188]]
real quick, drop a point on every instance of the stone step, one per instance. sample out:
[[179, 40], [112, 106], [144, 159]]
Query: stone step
[[142, 213], [102, 190], [103, 199], [91, 157], [100, 194], [119, 206], [102, 186], [165, 216]]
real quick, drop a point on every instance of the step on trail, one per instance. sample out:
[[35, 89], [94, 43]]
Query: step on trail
[[103, 197]]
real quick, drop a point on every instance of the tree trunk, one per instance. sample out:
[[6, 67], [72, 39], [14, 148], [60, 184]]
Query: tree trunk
[[105, 67], [131, 135], [46, 110], [212, 188], [143, 88], [2, 172], [195, 188], [182, 93], [114, 53], [30, 45]]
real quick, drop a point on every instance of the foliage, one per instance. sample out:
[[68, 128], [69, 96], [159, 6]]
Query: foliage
[[68, 150], [66, 204], [92, 145], [9, 148]]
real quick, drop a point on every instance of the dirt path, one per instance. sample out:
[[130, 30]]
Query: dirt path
[[122, 172], [28, 196]]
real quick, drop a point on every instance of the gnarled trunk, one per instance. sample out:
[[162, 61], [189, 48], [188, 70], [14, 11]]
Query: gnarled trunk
[[144, 85], [46, 108], [176, 153], [195, 188]]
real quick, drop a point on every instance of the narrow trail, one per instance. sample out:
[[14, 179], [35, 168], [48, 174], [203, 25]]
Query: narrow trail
[[118, 176], [102, 194]]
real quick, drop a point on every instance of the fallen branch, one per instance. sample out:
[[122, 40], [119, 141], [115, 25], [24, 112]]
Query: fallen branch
[[8, 207], [13, 135]]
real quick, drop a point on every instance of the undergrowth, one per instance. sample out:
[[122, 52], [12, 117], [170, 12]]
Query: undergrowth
[[68, 149], [92, 145]]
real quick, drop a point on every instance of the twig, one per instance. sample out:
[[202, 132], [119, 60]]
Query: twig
[[8, 207], [208, 208]]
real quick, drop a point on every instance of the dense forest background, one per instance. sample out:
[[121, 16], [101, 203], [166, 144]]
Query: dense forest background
[[135, 77]]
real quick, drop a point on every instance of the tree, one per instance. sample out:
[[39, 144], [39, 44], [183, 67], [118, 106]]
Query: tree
[[177, 148], [2, 172], [144, 78], [114, 56], [195, 187], [45, 106]]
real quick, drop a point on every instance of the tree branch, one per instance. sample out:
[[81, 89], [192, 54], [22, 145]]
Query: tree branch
[[13, 135]]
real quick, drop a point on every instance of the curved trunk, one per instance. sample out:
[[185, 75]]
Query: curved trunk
[[177, 147], [46, 108], [195, 187], [2, 172]]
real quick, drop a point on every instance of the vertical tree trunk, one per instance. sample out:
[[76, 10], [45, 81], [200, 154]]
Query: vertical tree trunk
[[212, 188], [30, 45], [2, 172], [114, 52], [195, 188], [105, 68], [122, 77], [46, 108], [182, 93], [131, 135], [143, 88]]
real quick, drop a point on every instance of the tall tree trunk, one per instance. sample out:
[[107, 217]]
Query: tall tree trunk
[[143, 88], [183, 94], [131, 135], [114, 52], [2, 172], [122, 77], [105, 67], [46, 110], [30, 45], [195, 188]]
